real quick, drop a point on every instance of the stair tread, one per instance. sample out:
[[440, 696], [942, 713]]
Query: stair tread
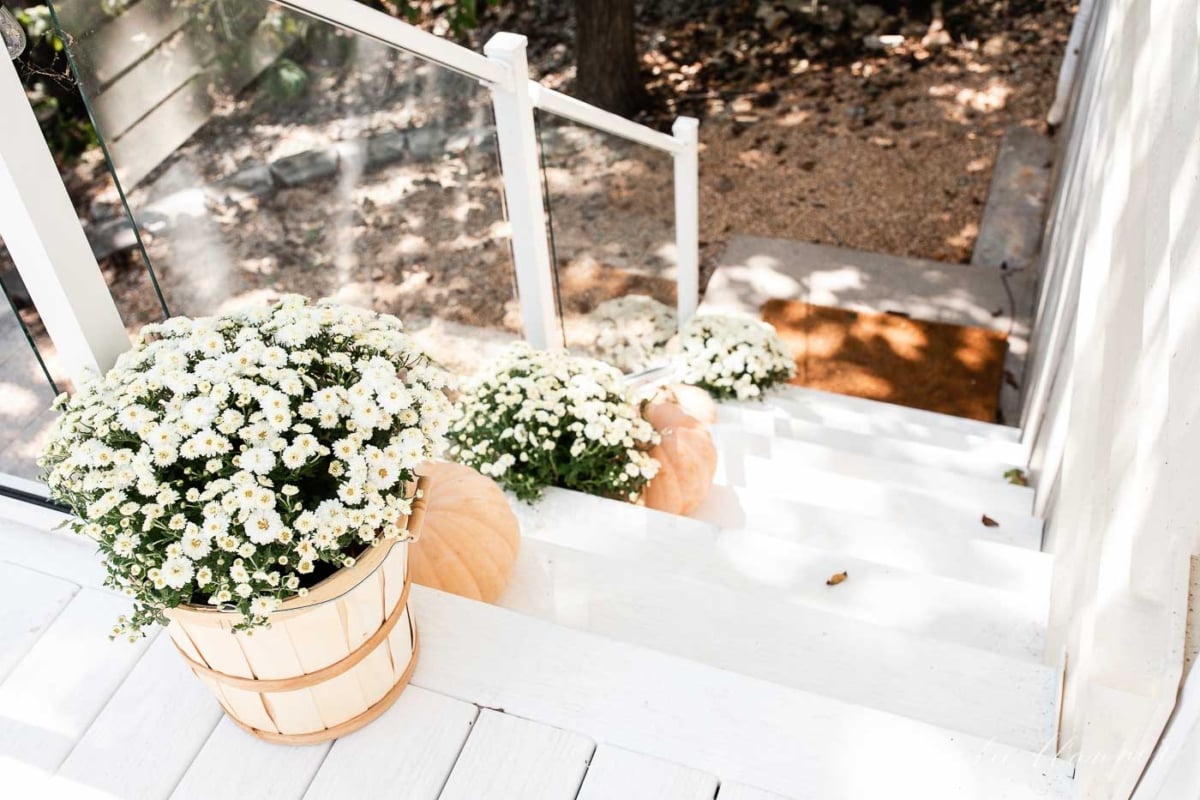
[[945, 684], [742, 729], [865, 496], [897, 420], [793, 459], [752, 509], [982, 460], [986, 617]]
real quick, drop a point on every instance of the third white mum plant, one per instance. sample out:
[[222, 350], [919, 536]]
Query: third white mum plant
[[733, 357], [540, 419]]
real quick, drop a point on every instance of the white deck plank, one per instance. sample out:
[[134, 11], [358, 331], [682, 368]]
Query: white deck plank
[[428, 729], [619, 773], [794, 460], [26, 539], [234, 764], [888, 503], [738, 728], [33, 600], [981, 461], [740, 791], [918, 676], [621, 529], [66, 678], [146, 737], [507, 757]]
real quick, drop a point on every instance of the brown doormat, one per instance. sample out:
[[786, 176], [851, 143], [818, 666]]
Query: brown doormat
[[951, 369]]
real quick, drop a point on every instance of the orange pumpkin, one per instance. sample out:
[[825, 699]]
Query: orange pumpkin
[[470, 536], [686, 456], [694, 401]]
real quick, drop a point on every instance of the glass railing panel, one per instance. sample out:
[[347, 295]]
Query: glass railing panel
[[262, 152], [612, 221], [30, 378]]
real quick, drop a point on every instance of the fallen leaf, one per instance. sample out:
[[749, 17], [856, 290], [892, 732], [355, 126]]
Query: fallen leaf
[[989, 522], [834, 580], [1016, 477]]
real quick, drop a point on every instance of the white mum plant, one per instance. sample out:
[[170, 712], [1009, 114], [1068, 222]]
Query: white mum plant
[[234, 461], [550, 419], [733, 357], [632, 331]]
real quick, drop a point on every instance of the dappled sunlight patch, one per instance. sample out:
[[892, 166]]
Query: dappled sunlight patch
[[935, 366]]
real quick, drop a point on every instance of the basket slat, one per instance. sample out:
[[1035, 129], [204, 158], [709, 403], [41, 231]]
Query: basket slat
[[343, 637]]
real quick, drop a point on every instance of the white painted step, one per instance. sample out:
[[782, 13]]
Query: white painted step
[[919, 676], [913, 421], [743, 730], [873, 417], [506, 757], [766, 420], [625, 530], [795, 460], [865, 496], [1011, 623], [737, 507], [232, 763]]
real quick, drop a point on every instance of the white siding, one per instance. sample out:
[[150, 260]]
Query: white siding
[[1113, 411]]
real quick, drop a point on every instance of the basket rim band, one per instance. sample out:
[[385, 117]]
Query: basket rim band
[[308, 679]]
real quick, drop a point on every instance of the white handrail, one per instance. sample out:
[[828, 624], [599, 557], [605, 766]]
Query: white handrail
[[587, 114], [389, 30]]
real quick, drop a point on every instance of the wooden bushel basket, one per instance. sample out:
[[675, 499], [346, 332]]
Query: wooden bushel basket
[[331, 661]]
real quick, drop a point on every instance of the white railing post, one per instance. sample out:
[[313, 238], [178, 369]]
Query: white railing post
[[687, 216], [44, 238], [517, 138]]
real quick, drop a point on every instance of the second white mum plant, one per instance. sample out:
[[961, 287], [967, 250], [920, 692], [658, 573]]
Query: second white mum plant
[[733, 358]]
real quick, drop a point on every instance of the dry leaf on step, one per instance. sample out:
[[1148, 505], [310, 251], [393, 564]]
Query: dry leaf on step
[[989, 522], [834, 580]]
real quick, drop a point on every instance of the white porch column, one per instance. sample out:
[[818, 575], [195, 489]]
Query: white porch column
[[43, 235], [517, 139], [687, 216]]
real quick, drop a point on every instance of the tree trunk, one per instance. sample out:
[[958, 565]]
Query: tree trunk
[[607, 57]]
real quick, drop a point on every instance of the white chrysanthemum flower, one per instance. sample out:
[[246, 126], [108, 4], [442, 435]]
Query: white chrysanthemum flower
[[177, 572]]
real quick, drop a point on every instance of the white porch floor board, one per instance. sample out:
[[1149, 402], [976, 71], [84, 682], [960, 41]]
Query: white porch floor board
[[738, 507], [1010, 620], [796, 460], [508, 757], [233, 764], [124, 751], [740, 791], [423, 732], [41, 599], [618, 773], [762, 419], [64, 681], [922, 677]]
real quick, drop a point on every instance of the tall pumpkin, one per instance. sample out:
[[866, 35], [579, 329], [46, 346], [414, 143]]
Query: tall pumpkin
[[470, 537], [687, 459]]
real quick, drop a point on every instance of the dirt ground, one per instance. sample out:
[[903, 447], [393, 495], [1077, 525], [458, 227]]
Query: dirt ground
[[812, 128]]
